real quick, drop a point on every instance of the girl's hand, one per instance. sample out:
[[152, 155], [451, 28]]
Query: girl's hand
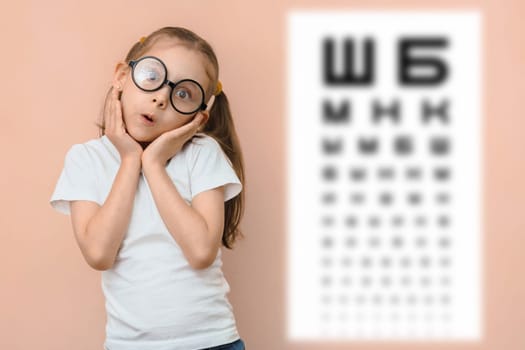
[[116, 131], [169, 143]]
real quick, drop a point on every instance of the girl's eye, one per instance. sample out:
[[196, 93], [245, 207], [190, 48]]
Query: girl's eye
[[151, 75], [147, 78], [183, 94]]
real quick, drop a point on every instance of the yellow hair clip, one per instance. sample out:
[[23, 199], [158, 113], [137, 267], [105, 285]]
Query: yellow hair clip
[[142, 39], [218, 89]]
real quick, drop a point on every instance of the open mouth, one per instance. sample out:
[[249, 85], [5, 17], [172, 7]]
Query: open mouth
[[148, 120]]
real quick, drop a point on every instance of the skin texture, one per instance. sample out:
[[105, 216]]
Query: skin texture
[[197, 228]]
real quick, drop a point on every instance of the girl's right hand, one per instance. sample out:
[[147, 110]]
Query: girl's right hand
[[116, 131]]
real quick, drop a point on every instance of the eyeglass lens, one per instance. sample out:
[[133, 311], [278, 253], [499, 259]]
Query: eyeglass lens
[[150, 74]]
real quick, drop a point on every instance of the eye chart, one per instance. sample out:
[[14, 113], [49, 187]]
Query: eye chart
[[384, 127]]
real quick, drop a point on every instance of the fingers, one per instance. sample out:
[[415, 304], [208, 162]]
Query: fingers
[[108, 113], [117, 116], [107, 106], [113, 114], [190, 127], [194, 125], [197, 121]]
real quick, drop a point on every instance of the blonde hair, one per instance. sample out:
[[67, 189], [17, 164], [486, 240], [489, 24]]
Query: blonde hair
[[220, 125]]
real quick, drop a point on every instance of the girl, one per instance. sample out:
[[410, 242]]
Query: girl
[[153, 199]]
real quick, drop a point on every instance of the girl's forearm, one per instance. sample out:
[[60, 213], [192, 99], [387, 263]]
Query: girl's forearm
[[106, 230], [185, 224]]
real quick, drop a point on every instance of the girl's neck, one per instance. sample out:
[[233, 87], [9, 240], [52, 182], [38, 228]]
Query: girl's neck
[[144, 144]]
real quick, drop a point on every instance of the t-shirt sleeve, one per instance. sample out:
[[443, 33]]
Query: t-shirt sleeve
[[76, 182], [210, 168]]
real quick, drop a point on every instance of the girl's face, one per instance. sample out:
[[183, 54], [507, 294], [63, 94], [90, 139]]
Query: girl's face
[[181, 63]]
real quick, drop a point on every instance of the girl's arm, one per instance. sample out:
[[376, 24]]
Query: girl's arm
[[198, 228], [99, 230]]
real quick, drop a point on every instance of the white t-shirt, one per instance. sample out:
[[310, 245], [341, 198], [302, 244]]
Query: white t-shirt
[[154, 299]]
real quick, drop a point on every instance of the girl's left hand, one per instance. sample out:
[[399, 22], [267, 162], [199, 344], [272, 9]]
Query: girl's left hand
[[169, 143]]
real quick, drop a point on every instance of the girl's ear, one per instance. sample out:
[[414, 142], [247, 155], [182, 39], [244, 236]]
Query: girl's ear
[[120, 76]]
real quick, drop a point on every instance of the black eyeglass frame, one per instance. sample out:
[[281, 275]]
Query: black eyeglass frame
[[170, 83]]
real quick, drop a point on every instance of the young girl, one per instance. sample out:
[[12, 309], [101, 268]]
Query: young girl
[[154, 198]]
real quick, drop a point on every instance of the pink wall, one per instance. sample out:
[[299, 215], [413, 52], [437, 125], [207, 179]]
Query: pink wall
[[57, 60]]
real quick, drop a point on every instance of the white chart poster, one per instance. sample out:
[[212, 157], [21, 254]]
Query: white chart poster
[[384, 132]]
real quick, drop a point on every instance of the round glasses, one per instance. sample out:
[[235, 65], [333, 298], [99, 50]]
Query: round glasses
[[150, 74]]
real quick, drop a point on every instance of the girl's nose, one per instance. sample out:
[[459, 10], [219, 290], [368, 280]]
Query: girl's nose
[[161, 97], [159, 101]]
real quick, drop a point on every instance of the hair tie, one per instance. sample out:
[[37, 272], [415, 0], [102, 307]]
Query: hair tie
[[142, 40], [218, 89]]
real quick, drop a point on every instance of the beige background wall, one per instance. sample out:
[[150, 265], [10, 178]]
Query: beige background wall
[[57, 60]]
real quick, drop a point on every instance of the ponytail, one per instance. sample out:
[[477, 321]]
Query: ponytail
[[220, 126]]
